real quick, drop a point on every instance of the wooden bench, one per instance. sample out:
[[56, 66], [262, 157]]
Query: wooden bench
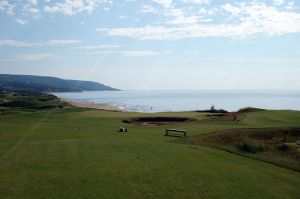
[[176, 131]]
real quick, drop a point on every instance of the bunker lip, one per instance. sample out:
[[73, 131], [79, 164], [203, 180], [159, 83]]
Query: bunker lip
[[157, 121]]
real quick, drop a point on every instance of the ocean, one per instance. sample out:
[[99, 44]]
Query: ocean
[[161, 101]]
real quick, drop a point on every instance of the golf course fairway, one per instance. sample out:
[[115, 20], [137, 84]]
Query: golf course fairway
[[78, 153]]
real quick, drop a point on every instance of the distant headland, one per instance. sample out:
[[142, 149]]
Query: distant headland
[[34, 83]]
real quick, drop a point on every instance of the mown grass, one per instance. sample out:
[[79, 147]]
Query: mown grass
[[77, 153]]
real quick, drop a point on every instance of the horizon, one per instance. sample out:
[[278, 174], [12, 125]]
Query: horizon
[[155, 44]]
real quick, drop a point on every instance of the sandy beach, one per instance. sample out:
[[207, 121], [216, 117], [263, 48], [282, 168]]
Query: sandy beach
[[101, 106]]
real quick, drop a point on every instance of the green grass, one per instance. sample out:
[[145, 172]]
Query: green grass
[[77, 153]]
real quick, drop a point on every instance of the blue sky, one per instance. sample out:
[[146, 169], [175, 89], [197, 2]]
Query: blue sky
[[155, 44]]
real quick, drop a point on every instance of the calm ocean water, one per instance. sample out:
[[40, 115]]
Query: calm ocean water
[[159, 101]]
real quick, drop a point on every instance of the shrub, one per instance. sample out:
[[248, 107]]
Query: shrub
[[283, 147], [251, 148]]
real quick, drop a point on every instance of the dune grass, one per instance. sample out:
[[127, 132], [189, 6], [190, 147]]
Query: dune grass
[[77, 153]]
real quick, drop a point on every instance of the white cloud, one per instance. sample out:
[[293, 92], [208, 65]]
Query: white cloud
[[128, 53], [7, 7], [278, 2], [29, 9], [73, 7], [21, 21], [233, 10], [15, 43], [100, 52], [206, 12], [192, 52], [34, 10], [290, 5], [164, 3], [63, 42], [175, 12], [182, 20], [33, 2], [139, 53], [196, 1], [32, 57], [104, 46], [147, 32], [179, 16], [249, 20], [123, 17]]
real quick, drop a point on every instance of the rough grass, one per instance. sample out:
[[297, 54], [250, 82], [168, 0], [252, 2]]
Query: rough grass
[[77, 153], [29, 101], [276, 145]]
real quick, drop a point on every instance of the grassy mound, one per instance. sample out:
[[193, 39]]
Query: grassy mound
[[30, 100]]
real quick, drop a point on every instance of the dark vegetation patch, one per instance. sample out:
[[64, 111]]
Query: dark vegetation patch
[[280, 146], [29, 100], [212, 110], [223, 115], [235, 117], [249, 110], [251, 148], [156, 121]]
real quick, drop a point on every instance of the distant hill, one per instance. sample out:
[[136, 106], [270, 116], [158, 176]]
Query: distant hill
[[48, 84]]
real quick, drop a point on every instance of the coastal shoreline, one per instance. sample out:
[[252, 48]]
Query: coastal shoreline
[[100, 106]]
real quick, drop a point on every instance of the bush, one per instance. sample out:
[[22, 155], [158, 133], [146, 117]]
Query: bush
[[283, 147], [251, 148]]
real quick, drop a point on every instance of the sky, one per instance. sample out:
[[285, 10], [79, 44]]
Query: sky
[[155, 44]]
